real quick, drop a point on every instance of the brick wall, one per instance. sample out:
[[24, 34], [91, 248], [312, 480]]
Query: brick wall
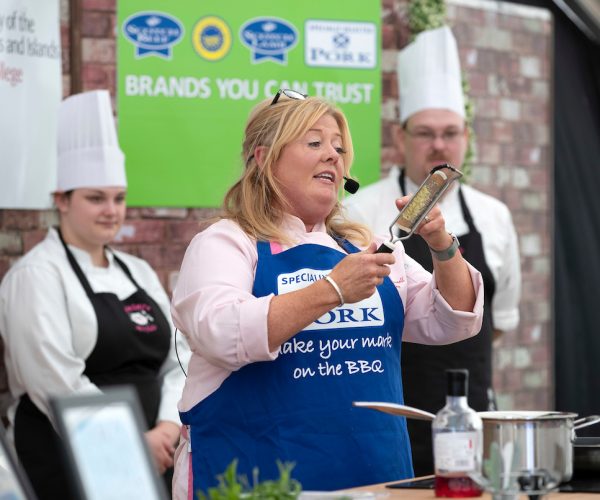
[[505, 53]]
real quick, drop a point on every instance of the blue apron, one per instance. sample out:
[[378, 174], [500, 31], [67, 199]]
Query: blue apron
[[298, 408]]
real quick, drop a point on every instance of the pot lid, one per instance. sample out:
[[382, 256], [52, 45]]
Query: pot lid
[[525, 415]]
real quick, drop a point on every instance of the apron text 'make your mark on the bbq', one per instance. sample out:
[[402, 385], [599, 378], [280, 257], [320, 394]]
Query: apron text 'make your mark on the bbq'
[[366, 313]]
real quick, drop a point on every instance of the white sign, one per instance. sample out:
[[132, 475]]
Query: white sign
[[30, 91], [340, 44], [367, 312]]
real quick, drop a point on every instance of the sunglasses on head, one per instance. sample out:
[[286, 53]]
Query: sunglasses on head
[[292, 94]]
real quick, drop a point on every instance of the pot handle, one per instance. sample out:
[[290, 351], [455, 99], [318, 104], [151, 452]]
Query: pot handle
[[580, 423]]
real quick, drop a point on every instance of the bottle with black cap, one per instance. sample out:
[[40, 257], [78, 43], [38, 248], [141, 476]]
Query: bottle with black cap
[[457, 441]]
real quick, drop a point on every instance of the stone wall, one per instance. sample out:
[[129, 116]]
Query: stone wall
[[506, 55]]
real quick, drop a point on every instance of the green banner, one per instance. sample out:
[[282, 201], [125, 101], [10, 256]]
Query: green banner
[[189, 72]]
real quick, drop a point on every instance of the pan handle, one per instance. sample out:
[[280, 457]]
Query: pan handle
[[580, 423]]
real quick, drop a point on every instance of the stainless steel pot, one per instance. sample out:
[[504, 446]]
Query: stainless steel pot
[[542, 442]]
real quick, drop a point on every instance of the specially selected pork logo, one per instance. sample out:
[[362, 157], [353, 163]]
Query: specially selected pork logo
[[153, 33], [269, 38], [340, 44], [367, 312]]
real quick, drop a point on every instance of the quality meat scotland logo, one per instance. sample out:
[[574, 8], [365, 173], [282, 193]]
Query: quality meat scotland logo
[[153, 33], [269, 38], [211, 38]]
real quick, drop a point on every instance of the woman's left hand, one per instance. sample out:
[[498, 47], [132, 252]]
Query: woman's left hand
[[453, 278], [161, 440], [433, 227]]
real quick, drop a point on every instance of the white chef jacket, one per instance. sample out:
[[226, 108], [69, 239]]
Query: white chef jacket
[[49, 326], [374, 205]]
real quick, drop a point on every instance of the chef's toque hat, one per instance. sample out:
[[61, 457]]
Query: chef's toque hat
[[429, 74], [88, 150]]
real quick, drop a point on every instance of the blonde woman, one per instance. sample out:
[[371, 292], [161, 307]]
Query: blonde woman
[[291, 316]]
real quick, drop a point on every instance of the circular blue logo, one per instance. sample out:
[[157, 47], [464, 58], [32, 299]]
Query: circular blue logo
[[211, 38]]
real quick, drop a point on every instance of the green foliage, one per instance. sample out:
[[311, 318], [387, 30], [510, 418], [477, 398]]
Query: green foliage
[[469, 117], [234, 487], [426, 15]]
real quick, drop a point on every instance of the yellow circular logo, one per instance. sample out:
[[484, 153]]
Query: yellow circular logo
[[211, 38]]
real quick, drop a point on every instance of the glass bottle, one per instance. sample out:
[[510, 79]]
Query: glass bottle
[[457, 441]]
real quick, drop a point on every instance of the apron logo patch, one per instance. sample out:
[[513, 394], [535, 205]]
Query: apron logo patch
[[141, 317], [366, 313]]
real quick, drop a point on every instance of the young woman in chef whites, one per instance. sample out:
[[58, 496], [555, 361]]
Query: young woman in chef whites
[[259, 387], [76, 316]]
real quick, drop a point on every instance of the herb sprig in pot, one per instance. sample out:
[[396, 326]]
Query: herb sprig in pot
[[234, 487]]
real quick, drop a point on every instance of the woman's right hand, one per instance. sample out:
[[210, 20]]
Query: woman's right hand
[[360, 273], [356, 275]]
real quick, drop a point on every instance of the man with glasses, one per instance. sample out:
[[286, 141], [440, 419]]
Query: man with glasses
[[433, 132]]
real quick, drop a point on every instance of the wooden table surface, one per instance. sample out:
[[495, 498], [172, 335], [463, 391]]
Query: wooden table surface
[[419, 494]]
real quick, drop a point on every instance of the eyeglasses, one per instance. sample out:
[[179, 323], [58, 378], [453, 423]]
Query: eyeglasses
[[292, 94], [427, 136]]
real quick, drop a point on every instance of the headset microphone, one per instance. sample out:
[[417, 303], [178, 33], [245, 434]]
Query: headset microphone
[[351, 185]]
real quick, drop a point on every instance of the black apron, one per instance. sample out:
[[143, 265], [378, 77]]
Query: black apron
[[133, 342], [423, 366]]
